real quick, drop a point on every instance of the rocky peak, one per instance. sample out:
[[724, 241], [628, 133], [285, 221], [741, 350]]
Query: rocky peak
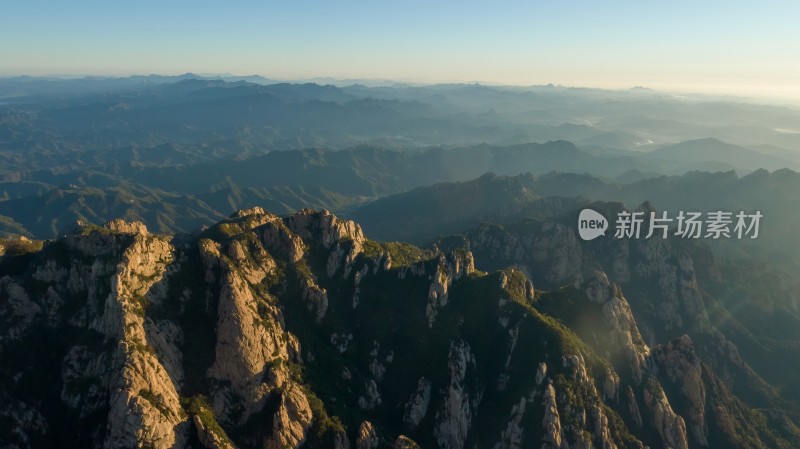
[[126, 227], [618, 317], [553, 432], [669, 425], [682, 366], [324, 226], [367, 436], [248, 212], [450, 268], [245, 335], [454, 417]]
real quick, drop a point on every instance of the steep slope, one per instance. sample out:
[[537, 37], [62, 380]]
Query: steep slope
[[444, 208], [772, 193], [425, 213], [742, 315], [275, 332]]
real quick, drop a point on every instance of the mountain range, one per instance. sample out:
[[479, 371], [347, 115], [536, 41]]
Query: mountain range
[[236, 262], [264, 331]]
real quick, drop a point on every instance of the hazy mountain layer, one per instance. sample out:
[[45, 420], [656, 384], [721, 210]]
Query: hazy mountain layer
[[162, 121], [426, 213]]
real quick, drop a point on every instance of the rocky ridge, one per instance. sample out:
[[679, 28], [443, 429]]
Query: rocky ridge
[[299, 331]]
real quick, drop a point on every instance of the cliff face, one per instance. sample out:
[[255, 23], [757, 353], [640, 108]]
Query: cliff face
[[670, 286], [273, 332]]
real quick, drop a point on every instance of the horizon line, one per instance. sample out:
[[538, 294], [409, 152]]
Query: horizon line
[[675, 91]]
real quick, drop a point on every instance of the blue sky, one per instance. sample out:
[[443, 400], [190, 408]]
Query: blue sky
[[709, 45]]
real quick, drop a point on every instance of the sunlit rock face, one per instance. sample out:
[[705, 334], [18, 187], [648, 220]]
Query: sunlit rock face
[[271, 332]]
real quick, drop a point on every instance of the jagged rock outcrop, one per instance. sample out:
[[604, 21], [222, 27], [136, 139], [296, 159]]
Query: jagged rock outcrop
[[126, 227], [144, 403], [619, 318], [404, 442], [253, 347], [679, 362], [371, 397], [130, 369], [19, 306], [541, 373], [454, 417], [611, 384], [209, 438], [315, 297], [555, 255], [417, 406], [513, 435], [671, 427], [449, 269], [291, 421], [376, 366], [633, 407], [298, 332], [279, 240], [245, 343], [599, 426], [367, 437], [553, 432]]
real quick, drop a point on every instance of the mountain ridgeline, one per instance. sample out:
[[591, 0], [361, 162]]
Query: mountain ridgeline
[[364, 181], [181, 152], [262, 331], [390, 266]]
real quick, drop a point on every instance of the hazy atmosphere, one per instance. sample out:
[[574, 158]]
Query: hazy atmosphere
[[713, 46], [399, 225]]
